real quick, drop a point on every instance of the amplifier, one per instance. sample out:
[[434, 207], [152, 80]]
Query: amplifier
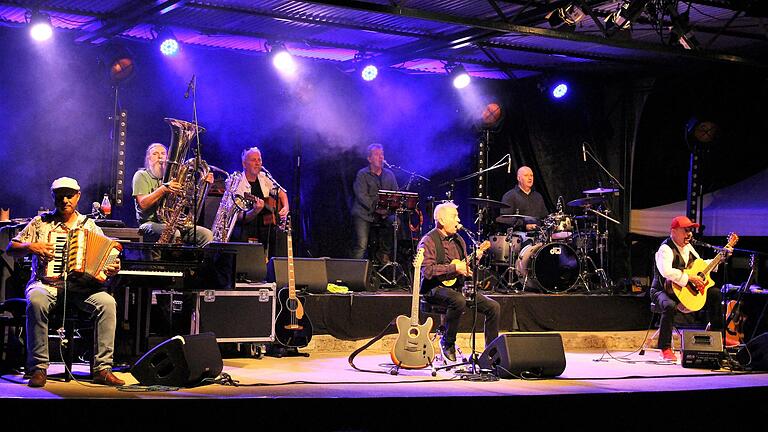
[[702, 349]]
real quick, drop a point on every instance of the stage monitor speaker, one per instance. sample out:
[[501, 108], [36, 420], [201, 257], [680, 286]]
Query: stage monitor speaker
[[181, 361], [754, 355], [528, 355], [250, 262], [310, 273], [352, 273], [702, 349]]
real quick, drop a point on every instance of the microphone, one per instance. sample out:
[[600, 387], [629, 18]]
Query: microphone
[[703, 244], [190, 86], [584, 152], [509, 165], [386, 164]]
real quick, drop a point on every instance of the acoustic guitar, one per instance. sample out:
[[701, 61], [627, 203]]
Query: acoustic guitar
[[292, 326], [272, 206], [483, 247], [691, 297], [413, 349]]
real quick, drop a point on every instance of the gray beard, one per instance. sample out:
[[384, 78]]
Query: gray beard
[[156, 170]]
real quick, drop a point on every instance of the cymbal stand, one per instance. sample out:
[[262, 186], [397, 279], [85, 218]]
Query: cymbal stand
[[601, 243], [397, 270]]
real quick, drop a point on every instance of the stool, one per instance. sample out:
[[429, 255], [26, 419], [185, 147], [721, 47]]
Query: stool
[[12, 347], [429, 308], [74, 321], [656, 311]]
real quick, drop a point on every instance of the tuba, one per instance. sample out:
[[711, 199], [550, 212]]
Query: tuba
[[178, 210], [231, 205]]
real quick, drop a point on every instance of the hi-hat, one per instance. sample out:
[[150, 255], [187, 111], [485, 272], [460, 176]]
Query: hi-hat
[[584, 202], [511, 219], [600, 190], [483, 202]]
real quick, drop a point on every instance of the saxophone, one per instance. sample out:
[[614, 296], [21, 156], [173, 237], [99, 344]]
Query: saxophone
[[178, 210], [231, 205]]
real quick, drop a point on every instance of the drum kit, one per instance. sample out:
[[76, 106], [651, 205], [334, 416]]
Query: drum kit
[[562, 253]]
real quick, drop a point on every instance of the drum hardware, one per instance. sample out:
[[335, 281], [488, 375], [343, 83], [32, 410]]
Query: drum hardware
[[399, 202], [586, 201]]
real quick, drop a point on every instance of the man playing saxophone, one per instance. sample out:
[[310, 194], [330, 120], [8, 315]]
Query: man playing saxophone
[[149, 192], [269, 207]]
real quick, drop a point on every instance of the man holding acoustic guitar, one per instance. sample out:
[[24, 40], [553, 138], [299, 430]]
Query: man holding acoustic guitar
[[681, 281], [443, 271]]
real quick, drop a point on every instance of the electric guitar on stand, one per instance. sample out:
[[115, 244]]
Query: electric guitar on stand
[[293, 328], [413, 349], [691, 297]]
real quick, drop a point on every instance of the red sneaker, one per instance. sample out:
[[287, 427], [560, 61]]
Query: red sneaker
[[668, 354]]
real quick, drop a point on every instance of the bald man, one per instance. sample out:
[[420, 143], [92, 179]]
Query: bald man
[[441, 247], [522, 199]]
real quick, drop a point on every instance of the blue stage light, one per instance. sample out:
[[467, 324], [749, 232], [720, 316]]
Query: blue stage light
[[169, 47], [559, 90], [369, 73]]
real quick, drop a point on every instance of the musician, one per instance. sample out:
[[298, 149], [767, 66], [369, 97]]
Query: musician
[[522, 199], [149, 191], [441, 246], [259, 223], [42, 296], [366, 220], [671, 258]]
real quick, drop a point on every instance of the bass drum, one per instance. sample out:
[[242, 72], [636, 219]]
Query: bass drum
[[552, 267]]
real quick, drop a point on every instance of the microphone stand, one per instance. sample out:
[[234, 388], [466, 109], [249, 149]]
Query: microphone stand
[[411, 173], [197, 159]]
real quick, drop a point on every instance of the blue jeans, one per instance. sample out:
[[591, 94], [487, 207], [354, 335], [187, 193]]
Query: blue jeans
[[364, 230], [151, 232], [41, 300]]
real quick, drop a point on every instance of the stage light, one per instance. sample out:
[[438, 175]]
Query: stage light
[[282, 60], [167, 42], [568, 16], [559, 90], [622, 18], [369, 72], [458, 75], [40, 28], [119, 61]]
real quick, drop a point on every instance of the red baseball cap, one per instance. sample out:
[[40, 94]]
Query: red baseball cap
[[683, 222]]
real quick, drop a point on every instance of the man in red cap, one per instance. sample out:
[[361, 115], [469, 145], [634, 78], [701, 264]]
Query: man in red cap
[[672, 258]]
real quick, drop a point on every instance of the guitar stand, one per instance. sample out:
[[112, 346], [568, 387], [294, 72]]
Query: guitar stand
[[395, 370], [280, 351]]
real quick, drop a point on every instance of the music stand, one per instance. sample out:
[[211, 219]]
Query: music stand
[[398, 202]]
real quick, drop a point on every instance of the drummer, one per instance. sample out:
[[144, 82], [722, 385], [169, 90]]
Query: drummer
[[523, 200]]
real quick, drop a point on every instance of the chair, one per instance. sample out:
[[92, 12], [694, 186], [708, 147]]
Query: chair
[[75, 320], [12, 320], [434, 309]]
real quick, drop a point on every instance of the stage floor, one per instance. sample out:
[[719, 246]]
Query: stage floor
[[600, 385]]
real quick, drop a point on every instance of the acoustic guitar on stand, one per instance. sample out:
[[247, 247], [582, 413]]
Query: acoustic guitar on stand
[[413, 349], [692, 297], [292, 326]]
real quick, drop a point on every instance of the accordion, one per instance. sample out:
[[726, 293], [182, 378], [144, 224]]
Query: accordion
[[80, 253]]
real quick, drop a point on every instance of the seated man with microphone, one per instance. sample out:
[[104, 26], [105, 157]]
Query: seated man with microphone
[[442, 246]]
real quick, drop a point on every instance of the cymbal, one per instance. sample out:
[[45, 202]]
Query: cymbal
[[587, 201], [600, 190], [483, 202], [511, 219]]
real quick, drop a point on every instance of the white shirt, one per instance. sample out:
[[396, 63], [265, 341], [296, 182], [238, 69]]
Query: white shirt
[[665, 256]]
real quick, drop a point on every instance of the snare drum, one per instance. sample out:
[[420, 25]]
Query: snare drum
[[552, 267]]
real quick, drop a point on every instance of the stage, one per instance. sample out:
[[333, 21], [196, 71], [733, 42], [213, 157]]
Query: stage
[[600, 389]]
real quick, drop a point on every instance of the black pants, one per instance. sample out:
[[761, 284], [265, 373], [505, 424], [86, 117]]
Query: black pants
[[457, 305], [668, 306]]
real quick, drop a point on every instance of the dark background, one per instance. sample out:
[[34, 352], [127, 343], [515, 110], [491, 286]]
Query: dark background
[[56, 103]]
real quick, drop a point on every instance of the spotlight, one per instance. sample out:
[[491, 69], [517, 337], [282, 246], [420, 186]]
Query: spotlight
[[458, 75], [282, 59], [168, 43], [622, 18], [119, 61], [369, 72], [39, 26], [558, 90], [568, 16]]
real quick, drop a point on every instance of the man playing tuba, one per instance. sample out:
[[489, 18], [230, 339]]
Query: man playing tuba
[[150, 191]]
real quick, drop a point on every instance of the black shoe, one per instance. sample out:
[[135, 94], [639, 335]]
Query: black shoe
[[449, 352], [38, 378]]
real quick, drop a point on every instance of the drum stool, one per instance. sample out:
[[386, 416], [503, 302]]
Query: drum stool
[[431, 309]]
